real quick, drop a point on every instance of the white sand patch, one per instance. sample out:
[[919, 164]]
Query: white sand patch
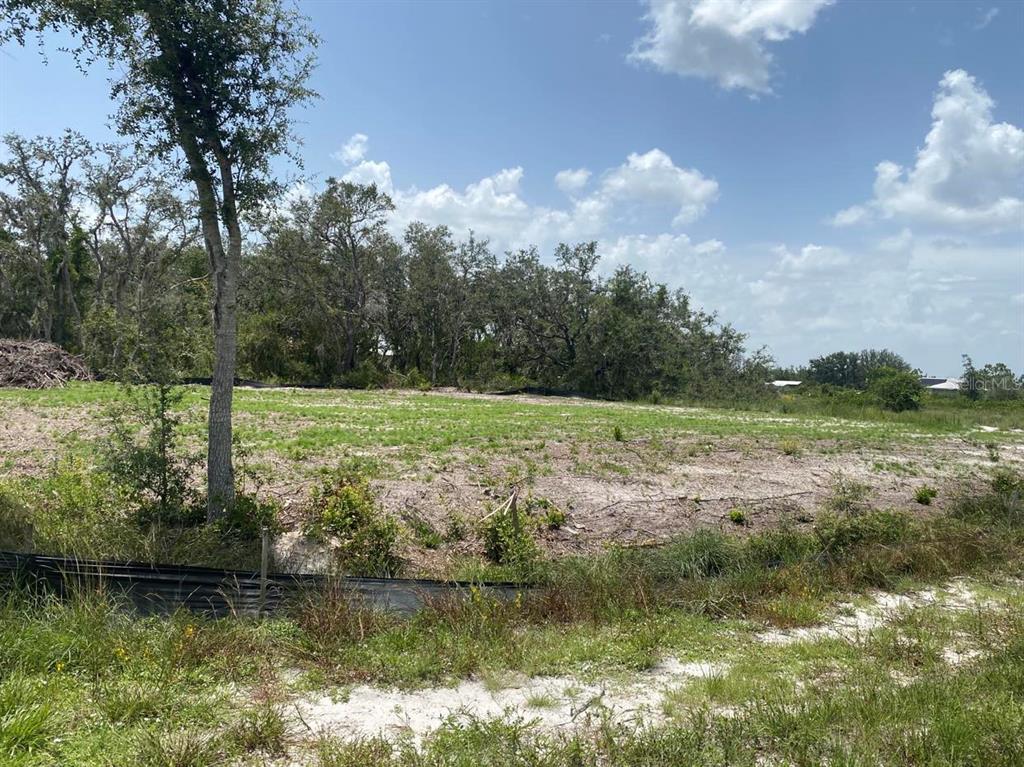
[[547, 702], [852, 623]]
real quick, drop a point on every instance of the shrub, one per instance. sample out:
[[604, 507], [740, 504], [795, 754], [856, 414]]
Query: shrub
[[249, 516], [839, 534], [790, 447], [896, 390], [142, 453], [737, 516], [507, 541], [617, 434], [345, 509], [925, 495], [847, 496], [15, 522], [1002, 503], [545, 513]]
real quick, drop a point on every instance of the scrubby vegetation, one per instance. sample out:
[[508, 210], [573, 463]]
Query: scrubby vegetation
[[164, 684]]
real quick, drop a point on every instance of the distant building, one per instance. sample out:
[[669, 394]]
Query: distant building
[[941, 384], [784, 384]]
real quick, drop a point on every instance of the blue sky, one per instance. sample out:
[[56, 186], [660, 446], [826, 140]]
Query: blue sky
[[824, 175]]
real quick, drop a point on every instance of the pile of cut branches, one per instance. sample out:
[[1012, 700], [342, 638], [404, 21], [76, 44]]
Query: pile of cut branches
[[38, 365]]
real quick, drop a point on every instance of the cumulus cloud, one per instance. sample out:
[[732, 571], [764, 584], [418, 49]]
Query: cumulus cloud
[[722, 40], [353, 150], [571, 181], [916, 299], [653, 178], [645, 185], [968, 174], [369, 172]]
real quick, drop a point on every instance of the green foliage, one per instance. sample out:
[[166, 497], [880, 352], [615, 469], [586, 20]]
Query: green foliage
[[26, 719], [547, 514], [248, 517], [924, 495], [1002, 503], [143, 453], [839, 534], [507, 540], [853, 369], [790, 447], [896, 390], [15, 521], [738, 517], [344, 508], [847, 495], [617, 434], [260, 728]]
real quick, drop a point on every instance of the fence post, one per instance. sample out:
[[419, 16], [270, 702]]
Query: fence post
[[264, 568]]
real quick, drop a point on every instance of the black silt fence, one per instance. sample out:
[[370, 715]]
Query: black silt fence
[[162, 589]]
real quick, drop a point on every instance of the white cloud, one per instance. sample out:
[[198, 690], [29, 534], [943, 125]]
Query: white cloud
[[986, 18], [645, 186], [354, 150], [811, 258], [369, 172], [572, 181], [654, 178], [968, 174], [722, 40]]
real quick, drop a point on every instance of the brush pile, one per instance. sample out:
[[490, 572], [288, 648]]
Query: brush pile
[[38, 365]]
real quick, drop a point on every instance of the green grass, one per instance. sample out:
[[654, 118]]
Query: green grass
[[85, 683], [186, 690], [303, 423]]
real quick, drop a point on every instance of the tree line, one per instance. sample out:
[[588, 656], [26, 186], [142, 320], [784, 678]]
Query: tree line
[[100, 253]]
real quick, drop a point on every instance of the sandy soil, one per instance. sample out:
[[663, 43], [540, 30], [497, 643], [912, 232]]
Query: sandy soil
[[558, 703], [632, 492]]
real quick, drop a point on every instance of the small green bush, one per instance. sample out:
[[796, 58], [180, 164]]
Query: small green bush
[[249, 516], [924, 495], [617, 434], [847, 496], [507, 541], [896, 390], [790, 447], [737, 516], [15, 522], [1001, 504], [345, 509], [545, 513], [142, 453], [838, 534]]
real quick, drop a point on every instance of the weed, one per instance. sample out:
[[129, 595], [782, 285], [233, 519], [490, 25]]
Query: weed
[[25, 722], [545, 512], [424, 533], [738, 516], [260, 728], [507, 541], [993, 451], [345, 509], [617, 434], [182, 748], [847, 496], [924, 495], [838, 535], [790, 447], [457, 528]]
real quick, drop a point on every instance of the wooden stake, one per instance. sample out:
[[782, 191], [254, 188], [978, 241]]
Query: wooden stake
[[264, 569]]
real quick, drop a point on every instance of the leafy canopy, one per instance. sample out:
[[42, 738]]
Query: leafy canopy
[[224, 72]]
